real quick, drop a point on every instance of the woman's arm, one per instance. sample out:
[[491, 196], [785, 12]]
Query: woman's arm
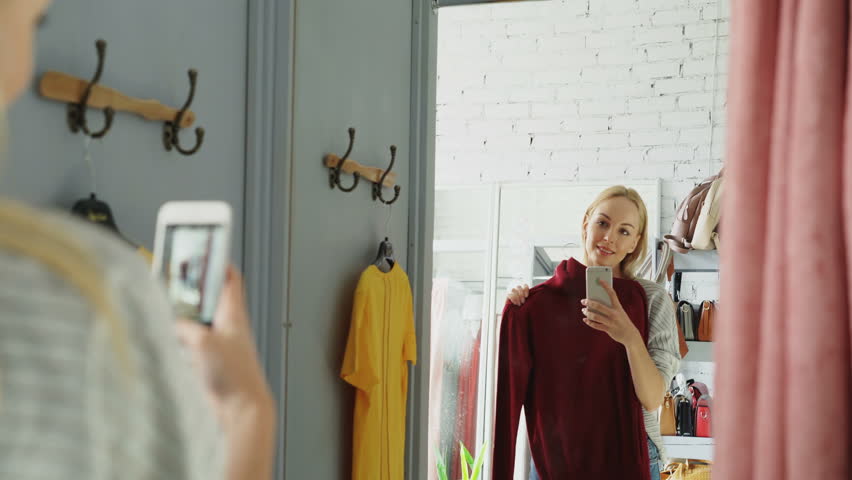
[[648, 381], [227, 361], [250, 440]]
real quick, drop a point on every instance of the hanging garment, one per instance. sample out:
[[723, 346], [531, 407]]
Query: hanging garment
[[381, 341], [583, 417]]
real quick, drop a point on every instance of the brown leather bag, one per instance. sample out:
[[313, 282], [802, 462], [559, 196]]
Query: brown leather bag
[[705, 324], [686, 219], [667, 416]]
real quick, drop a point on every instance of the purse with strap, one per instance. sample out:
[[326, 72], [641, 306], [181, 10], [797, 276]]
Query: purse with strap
[[681, 339], [667, 416], [698, 390], [684, 413], [705, 323], [706, 228], [686, 319], [686, 218], [703, 418]]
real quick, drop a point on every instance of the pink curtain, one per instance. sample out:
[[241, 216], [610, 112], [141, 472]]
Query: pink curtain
[[783, 340]]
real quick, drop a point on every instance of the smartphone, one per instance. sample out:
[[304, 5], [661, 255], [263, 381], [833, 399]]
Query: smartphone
[[594, 290], [191, 249]]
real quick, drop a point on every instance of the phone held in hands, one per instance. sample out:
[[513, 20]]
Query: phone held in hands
[[191, 249], [594, 290]]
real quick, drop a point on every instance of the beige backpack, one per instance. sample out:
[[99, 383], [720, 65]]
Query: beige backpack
[[687, 217], [706, 230]]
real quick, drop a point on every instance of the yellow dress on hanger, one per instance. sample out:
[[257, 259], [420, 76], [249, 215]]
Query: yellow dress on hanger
[[381, 340]]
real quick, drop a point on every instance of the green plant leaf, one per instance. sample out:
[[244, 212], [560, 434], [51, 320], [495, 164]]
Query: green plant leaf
[[466, 455], [441, 465], [480, 459], [464, 466]]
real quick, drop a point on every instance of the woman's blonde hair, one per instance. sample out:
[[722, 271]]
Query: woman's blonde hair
[[22, 232], [634, 259]]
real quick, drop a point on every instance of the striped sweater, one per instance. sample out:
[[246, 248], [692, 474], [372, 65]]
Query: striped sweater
[[67, 408], [662, 345]]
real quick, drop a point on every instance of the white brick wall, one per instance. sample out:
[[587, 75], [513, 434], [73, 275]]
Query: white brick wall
[[583, 90]]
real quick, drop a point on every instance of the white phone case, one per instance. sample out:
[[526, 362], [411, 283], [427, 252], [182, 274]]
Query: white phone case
[[594, 291], [195, 276]]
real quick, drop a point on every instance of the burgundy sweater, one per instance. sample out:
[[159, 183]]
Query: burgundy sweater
[[583, 417]]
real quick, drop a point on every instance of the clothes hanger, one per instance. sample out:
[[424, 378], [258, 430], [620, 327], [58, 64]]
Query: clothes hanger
[[93, 209], [96, 211], [384, 257]]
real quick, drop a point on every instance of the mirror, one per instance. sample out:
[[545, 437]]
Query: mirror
[[541, 106]]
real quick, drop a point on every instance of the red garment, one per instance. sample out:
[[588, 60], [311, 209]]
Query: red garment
[[583, 417]]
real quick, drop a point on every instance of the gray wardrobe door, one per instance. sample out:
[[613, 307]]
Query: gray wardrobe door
[[151, 45]]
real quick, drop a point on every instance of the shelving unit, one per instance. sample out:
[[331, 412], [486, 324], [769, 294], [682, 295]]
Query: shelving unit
[[701, 273], [689, 447], [699, 352]]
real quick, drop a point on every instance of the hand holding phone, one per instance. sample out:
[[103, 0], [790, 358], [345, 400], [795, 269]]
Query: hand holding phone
[[191, 255], [614, 322]]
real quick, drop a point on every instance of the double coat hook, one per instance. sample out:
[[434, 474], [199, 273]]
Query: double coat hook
[[171, 129], [380, 178], [81, 94], [77, 111], [377, 187]]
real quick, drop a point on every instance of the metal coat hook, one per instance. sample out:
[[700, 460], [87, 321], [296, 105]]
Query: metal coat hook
[[334, 173], [172, 129], [77, 111], [377, 187]]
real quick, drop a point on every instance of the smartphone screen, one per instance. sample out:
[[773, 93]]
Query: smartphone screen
[[193, 267]]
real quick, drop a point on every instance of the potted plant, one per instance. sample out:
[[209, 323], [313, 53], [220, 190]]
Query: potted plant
[[471, 467]]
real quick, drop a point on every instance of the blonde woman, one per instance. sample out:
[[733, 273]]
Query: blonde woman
[[615, 229], [94, 384]]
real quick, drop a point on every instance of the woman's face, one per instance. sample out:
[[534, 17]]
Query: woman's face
[[18, 19], [611, 233]]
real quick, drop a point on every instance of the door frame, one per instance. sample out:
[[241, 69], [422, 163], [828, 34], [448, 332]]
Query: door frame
[[268, 164], [424, 78]]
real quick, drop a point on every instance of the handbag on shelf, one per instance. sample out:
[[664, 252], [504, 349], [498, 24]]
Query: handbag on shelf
[[686, 319], [685, 417], [690, 470], [705, 323], [706, 228], [667, 416], [687, 216], [703, 418], [698, 390]]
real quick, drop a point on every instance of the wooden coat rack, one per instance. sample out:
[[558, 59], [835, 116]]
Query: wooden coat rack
[[66, 88], [378, 177], [82, 94], [372, 174]]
